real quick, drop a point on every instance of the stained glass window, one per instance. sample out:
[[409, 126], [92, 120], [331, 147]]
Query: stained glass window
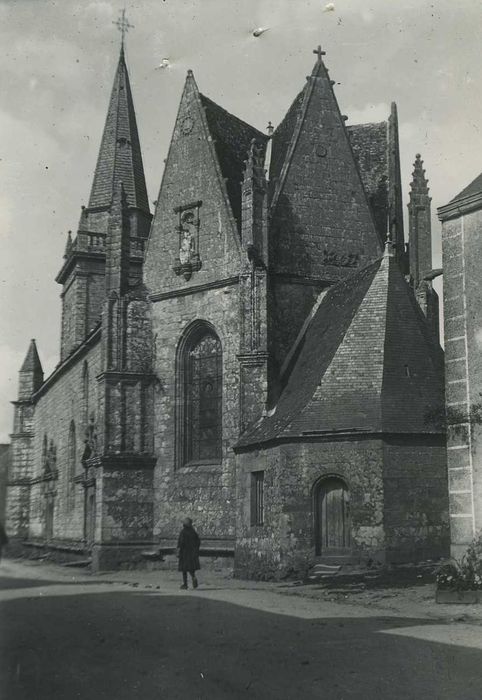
[[203, 400]]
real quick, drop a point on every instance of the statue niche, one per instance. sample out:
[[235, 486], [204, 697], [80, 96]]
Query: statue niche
[[188, 260], [90, 442], [50, 460]]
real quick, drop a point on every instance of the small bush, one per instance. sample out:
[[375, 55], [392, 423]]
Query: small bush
[[297, 564], [261, 570], [464, 574]]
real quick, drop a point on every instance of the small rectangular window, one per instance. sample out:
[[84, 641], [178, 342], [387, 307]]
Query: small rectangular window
[[257, 498]]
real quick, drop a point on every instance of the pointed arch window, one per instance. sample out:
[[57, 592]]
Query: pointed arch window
[[71, 463], [201, 393]]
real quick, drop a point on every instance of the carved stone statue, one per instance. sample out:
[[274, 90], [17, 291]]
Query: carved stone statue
[[188, 260], [50, 464]]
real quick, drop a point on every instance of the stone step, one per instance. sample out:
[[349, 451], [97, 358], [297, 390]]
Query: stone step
[[79, 564], [325, 569]]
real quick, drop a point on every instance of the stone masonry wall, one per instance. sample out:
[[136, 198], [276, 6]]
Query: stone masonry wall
[[192, 177], [462, 249], [56, 408], [17, 510], [415, 498], [82, 299], [127, 502], [397, 495], [291, 472], [204, 492]]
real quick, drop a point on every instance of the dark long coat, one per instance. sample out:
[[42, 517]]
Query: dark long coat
[[188, 548], [3, 536]]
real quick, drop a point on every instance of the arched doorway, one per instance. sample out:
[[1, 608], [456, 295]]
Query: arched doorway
[[332, 517]]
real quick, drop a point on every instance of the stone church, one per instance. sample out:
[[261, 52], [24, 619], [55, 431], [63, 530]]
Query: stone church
[[260, 354]]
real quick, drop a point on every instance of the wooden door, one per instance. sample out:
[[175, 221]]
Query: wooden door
[[333, 517]]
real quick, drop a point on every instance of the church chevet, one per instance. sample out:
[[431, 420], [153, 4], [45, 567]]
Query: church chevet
[[260, 354]]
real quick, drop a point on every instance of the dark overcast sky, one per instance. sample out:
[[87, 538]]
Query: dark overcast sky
[[57, 65]]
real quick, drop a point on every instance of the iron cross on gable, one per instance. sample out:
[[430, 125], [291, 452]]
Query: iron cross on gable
[[319, 52], [123, 25]]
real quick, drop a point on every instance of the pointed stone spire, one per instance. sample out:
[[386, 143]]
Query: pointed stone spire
[[419, 184], [313, 169], [120, 159], [321, 226], [420, 230], [31, 373], [395, 198]]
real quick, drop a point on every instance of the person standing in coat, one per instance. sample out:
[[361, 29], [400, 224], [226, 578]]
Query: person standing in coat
[[188, 553], [3, 539]]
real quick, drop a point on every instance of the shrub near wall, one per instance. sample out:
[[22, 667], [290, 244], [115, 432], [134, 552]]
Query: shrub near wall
[[460, 581]]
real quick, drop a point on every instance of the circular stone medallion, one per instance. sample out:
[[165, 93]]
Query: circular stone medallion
[[187, 125]]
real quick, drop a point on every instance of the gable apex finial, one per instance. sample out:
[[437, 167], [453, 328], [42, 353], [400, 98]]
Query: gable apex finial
[[123, 25], [319, 52]]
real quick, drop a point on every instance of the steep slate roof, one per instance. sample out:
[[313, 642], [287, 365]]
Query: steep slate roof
[[469, 199], [318, 205], [376, 147], [283, 136], [232, 138], [365, 363], [370, 146], [475, 187], [120, 158]]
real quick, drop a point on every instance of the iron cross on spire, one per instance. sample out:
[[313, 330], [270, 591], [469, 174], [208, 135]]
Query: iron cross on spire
[[319, 52], [123, 25]]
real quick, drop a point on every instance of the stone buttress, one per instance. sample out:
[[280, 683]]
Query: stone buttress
[[20, 470], [461, 254], [121, 470], [253, 287]]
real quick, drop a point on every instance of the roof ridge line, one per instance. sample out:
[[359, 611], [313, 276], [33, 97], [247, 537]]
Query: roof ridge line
[[319, 300], [293, 141], [382, 266], [297, 131], [302, 332], [358, 124], [118, 79], [217, 164], [233, 116]]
